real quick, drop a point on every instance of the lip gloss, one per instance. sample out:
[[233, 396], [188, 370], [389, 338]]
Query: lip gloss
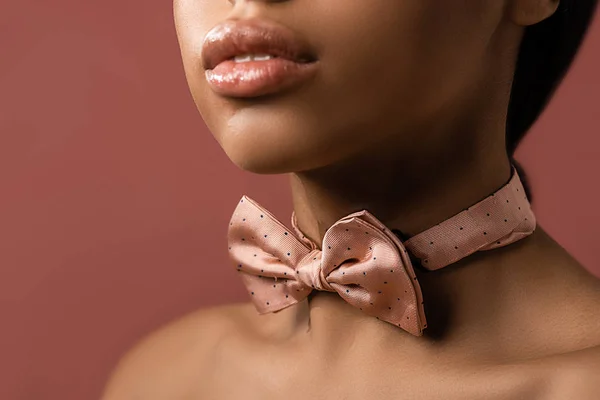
[[258, 77]]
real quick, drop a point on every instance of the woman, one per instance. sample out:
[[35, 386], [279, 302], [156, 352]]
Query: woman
[[403, 109]]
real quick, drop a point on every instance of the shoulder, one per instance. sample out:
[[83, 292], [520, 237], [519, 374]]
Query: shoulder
[[575, 375], [178, 358]]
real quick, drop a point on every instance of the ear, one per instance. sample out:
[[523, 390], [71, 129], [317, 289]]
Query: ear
[[530, 12]]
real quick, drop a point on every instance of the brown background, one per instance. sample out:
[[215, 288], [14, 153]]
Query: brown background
[[115, 199]]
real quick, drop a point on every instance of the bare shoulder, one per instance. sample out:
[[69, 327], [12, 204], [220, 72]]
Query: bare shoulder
[[165, 362], [574, 375]]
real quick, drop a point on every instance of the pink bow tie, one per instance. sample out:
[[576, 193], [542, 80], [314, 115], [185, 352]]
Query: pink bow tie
[[363, 260]]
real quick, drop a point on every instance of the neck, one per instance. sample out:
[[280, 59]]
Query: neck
[[411, 197]]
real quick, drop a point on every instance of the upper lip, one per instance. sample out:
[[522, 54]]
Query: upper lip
[[253, 36]]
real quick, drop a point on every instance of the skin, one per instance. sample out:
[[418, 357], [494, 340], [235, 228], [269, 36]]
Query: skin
[[408, 122]]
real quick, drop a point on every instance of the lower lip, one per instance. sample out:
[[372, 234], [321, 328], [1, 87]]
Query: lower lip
[[258, 78]]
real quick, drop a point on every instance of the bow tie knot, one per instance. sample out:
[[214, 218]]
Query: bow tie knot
[[310, 272]]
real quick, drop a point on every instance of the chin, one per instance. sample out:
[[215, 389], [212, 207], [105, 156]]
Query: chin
[[268, 159], [272, 146]]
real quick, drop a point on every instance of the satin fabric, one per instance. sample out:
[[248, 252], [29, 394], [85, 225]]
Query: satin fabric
[[363, 260]]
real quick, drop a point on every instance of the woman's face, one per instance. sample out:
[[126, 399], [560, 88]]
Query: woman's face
[[385, 69]]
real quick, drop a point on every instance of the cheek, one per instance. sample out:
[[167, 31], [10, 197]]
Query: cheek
[[372, 66], [409, 57]]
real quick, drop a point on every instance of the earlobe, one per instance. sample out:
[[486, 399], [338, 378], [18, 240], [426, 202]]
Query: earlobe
[[531, 12]]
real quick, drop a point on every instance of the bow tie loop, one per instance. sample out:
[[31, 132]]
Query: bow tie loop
[[370, 269]]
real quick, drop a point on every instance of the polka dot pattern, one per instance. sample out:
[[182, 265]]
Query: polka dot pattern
[[363, 260]]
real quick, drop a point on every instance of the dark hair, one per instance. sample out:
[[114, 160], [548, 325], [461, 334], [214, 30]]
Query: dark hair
[[545, 55]]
